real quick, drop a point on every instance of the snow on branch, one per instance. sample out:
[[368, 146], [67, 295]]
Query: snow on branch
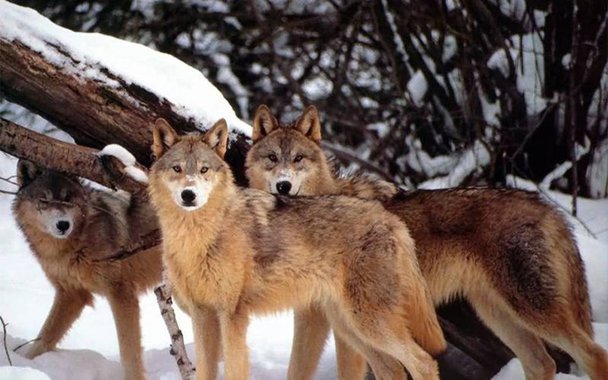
[[61, 156], [465, 164], [98, 57], [127, 159]]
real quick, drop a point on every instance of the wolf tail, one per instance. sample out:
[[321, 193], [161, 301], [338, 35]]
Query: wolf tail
[[424, 324], [579, 289]]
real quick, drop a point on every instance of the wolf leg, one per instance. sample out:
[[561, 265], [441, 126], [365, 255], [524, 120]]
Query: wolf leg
[[402, 347], [66, 308], [125, 308], [207, 341], [388, 333], [351, 365], [234, 341], [571, 338], [383, 366], [527, 346], [310, 333]]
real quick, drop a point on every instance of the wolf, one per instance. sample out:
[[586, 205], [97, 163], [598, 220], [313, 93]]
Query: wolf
[[230, 252], [507, 252], [70, 228]]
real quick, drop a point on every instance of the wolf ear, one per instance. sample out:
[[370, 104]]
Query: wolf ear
[[27, 171], [263, 123], [163, 137], [309, 124], [217, 137]]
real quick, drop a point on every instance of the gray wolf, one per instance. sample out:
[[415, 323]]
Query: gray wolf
[[512, 256], [231, 252], [69, 227]]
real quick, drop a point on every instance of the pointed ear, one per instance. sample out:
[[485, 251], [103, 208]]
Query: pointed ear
[[217, 137], [263, 123], [27, 171], [309, 124], [163, 137]]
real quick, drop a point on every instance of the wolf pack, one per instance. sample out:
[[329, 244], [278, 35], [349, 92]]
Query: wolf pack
[[354, 255]]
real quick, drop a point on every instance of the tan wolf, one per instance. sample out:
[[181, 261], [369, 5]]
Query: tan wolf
[[230, 252], [69, 226], [512, 256]]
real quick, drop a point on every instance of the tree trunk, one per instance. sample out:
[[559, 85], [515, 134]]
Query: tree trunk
[[93, 113]]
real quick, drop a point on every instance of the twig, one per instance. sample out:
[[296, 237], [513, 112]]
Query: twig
[[178, 349], [8, 180], [25, 343], [10, 362], [148, 241], [8, 192]]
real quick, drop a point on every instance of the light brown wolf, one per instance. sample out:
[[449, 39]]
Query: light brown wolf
[[512, 256], [230, 252], [71, 228]]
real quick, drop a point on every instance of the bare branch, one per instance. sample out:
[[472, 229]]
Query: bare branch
[[10, 362], [178, 349], [60, 156]]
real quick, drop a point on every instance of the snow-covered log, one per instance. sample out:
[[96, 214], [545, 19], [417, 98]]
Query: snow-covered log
[[64, 157], [104, 90]]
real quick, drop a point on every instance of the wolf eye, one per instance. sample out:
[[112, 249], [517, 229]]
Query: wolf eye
[[177, 169], [298, 158], [204, 169], [273, 158]]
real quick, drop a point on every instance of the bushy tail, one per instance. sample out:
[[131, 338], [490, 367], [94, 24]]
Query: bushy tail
[[580, 291], [424, 325]]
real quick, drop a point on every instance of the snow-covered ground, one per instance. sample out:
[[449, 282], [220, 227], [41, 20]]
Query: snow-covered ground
[[90, 350]]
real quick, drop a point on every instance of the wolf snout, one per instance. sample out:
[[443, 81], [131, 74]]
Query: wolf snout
[[62, 226], [283, 187], [188, 196]]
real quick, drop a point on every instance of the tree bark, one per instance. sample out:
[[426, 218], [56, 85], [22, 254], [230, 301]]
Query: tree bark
[[93, 113], [61, 156], [178, 349]]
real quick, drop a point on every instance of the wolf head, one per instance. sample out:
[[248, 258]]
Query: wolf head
[[286, 160], [49, 201], [188, 168]]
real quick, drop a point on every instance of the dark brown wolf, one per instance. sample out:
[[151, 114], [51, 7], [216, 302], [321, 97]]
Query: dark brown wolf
[[512, 256], [70, 226], [232, 252]]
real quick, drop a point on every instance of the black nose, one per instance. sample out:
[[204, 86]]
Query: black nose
[[63, 225], [283, 187], [188, 196]]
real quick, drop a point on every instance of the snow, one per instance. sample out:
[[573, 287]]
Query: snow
[[417, 86], [22, 373], [127, 159], [460, 167], [498, 61], [567, 60], [136, 173], [119, 152], [187, 89]]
